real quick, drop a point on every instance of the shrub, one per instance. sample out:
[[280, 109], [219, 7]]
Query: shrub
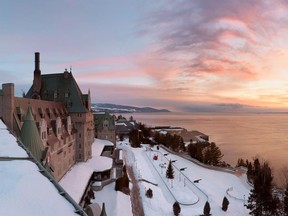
[[149, 193], [122, 183], [225, 204], [176, 208]]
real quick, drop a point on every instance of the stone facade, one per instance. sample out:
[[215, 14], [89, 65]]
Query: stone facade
[[65, 124], [105, 127]]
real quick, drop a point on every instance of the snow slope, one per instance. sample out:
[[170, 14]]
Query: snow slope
[[212, 186]]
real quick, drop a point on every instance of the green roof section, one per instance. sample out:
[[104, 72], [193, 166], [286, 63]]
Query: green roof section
[[103, 212], [62, 87], [30, 136], [99, 118]]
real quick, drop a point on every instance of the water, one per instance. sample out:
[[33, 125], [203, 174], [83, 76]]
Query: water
[[238, 135]]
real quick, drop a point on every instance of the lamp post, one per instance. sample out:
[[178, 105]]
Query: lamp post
[[180, 170], [164, 155]]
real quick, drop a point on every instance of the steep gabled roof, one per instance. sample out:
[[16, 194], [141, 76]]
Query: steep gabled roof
[[61, 87], [100, 117], [30, 136]]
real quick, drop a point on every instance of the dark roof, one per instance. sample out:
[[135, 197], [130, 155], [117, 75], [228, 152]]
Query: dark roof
[[62, 87], [99, 118]]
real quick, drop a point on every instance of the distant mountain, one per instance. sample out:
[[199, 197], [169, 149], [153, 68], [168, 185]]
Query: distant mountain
[[114, 108]]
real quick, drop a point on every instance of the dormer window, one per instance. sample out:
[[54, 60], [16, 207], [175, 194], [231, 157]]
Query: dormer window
[[105, 123], [58, 127], [67, 94], [43, 130], [69, 125]]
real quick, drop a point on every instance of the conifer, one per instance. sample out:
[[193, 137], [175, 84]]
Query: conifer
[[176, 208], [286, 201], [225, 204], [206, 210], [170, 171]]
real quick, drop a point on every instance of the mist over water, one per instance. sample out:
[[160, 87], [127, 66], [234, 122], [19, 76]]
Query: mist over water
[[238, 135]]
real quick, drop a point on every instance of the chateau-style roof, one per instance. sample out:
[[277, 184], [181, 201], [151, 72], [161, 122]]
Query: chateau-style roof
[[30, 136], [62, 87], [99, 118]]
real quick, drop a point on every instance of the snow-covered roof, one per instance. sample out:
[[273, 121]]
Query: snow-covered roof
[[120, 123], [163, 132], [98, 146], [23, 189], [76, 180], [8, 144]]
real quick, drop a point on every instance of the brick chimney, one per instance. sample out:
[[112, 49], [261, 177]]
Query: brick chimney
[[37, 76]]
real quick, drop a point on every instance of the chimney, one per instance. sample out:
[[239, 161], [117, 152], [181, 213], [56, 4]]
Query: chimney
[[37, 61], [37, 77]]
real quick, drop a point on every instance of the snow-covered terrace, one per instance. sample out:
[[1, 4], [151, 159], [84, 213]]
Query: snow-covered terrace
[[23, 189], [78, 177]]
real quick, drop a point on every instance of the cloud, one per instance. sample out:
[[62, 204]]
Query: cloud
[[216, 49]]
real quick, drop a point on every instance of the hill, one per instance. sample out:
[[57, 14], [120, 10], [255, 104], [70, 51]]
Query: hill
[[115, 108]]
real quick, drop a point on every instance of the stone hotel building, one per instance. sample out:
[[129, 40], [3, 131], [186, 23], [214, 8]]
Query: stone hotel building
[[62, 114]]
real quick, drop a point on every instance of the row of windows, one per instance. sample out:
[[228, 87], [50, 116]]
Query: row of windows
[[57, 94]]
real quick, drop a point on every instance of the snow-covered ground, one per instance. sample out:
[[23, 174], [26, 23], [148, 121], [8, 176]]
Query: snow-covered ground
[[77, 178], [116, 202], [213, 185]]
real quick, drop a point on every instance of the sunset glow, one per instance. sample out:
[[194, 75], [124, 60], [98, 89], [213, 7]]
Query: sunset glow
[[179, 55]]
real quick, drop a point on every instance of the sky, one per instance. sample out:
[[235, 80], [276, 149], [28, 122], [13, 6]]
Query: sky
[[199, 55]]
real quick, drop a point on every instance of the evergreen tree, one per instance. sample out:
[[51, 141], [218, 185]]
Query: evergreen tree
[[215, 154], [241, 162], [134, 138], [176, 208], [261, 201], [206, 210], [285, 203], [225, 204], [157, 138], [170, 171], [149, 193], [250, 173]]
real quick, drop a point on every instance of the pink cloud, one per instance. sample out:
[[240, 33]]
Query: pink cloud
[[208, 49]]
